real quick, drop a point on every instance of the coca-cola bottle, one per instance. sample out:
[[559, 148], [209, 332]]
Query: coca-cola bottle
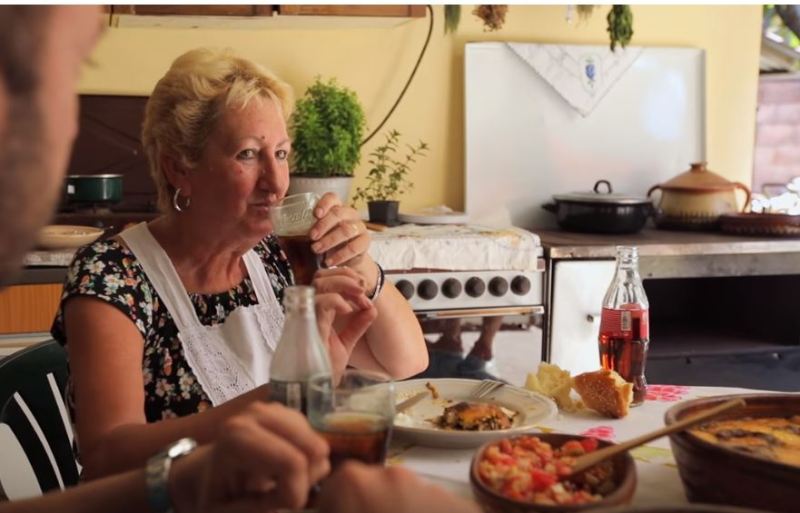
[[625, 325], [300, 353]]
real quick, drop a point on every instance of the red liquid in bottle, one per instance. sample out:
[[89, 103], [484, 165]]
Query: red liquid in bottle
[[624, 338]]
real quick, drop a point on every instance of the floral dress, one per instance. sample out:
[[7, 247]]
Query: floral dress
[[110, 272]]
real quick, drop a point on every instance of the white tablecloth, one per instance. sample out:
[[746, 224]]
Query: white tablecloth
[[658, 479]]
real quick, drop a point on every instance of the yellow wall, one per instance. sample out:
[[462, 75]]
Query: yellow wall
[[375, 62]]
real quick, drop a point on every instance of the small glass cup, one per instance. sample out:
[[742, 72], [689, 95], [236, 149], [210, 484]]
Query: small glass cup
[[292, 219], [355, 417]]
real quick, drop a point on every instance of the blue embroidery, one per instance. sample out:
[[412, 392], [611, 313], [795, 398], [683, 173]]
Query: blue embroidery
[[589, 69]]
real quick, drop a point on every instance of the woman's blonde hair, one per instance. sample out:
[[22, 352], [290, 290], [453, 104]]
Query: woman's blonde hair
[[187, 101]]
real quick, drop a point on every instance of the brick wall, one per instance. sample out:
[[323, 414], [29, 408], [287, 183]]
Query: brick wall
[[777, 151]]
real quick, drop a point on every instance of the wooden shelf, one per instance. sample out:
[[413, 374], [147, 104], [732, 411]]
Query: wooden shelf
[[307, 17]]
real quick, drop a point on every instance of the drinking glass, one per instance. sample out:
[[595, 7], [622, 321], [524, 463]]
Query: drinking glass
[[292, 219], [355, 416]]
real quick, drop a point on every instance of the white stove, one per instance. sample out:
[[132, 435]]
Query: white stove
[[463, 271], [454, 291]]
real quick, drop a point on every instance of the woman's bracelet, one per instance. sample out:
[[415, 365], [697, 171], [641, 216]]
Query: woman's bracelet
[[378, 284]]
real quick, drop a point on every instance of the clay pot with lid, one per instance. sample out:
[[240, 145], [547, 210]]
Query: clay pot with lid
[[695, 199]]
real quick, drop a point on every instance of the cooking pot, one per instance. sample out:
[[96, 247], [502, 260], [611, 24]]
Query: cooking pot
[[695, 199], [600, 212], [94, 189]]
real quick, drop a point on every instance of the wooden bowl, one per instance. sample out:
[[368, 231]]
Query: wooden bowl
[[715, 474], [494, 502]]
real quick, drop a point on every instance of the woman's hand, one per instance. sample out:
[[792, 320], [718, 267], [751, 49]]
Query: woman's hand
[[341, 236], [343, 313]]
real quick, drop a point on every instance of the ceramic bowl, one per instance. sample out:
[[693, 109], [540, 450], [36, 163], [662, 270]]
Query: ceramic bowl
[[64, 236], [715, 474], [494, 502]]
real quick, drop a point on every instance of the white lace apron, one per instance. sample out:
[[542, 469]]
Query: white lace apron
[[227, 359]]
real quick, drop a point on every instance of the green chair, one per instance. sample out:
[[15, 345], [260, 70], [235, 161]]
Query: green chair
[[34, 421]]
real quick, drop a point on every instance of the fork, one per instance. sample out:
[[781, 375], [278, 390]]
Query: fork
[[485, 387]]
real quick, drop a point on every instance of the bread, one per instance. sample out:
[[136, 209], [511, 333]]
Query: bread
[[605, 392], [552, 381]]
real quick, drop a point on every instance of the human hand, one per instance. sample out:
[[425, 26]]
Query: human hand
[[343, 313], [358, 488], [263, 459], [342, 237]]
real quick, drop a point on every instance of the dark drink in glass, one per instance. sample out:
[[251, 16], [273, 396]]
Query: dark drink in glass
[[303, 260], [356, 436]]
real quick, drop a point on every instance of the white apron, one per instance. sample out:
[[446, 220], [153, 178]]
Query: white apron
[[227, 359]]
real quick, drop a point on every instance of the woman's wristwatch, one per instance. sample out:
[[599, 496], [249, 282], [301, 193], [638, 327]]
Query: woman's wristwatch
[[378, 284], [157, 474]]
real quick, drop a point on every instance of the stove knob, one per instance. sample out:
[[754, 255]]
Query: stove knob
[[520, 285], [475, 287], [451, 288], [498, 286], [427, 289], [406, 288]]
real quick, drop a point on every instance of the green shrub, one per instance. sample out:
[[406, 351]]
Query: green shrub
[[327, 127], [387, 178]]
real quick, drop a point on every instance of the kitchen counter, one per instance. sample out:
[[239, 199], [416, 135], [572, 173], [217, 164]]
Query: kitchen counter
[[673, 254]]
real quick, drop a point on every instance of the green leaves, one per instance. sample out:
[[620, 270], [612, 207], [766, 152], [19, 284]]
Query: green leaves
[[387, 178], [327, 126], [620, 25], [452, 17]]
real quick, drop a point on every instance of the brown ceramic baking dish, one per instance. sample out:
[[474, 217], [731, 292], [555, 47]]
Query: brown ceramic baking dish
[[715, 474]]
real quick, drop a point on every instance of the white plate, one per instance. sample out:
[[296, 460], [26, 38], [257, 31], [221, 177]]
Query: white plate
[[61, 236], [433, 217], [414, 425]]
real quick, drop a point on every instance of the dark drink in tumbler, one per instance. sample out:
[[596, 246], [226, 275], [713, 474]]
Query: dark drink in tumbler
[[301, 257], [356, 436], [292, 219]]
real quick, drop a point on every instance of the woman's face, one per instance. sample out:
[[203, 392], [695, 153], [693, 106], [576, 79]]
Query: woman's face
[[243, 170]]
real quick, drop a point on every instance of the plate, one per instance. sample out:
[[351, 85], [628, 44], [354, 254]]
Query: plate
[[413, 425], [64, 236], [434, 215]]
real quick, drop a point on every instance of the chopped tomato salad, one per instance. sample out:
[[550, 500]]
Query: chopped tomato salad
[[529, 470]]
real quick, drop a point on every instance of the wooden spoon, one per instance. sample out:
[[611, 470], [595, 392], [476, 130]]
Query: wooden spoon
[[593, 458]]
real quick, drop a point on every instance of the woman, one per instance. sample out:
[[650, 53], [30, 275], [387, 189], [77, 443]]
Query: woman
[[183, 313]]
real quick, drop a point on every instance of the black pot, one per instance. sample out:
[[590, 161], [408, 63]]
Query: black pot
[[600, 212], [384, 212], [94, 189]]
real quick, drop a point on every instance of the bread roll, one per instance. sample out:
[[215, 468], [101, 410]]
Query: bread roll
[[605, 392], [552, 381]]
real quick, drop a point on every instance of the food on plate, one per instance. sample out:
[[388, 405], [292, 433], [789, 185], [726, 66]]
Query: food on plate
[[605, 392], [773, 438], [530, 470], [555, 383], [468, 416], [432, 388]]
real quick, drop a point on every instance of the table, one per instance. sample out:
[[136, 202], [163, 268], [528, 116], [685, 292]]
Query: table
[[657, 472]]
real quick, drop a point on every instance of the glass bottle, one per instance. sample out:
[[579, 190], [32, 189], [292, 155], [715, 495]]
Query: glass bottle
[[300, 353], [625, 324]]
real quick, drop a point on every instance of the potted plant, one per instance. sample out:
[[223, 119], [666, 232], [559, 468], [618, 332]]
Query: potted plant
[[387, 179], [327, 127]]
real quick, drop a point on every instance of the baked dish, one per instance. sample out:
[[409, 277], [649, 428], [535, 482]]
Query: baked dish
[[773, 438], [467, 416]]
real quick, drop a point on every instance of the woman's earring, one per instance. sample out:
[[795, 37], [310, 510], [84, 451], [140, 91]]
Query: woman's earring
[[175, 204]]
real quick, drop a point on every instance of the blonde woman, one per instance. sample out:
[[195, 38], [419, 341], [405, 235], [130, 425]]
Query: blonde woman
[[183, 313]]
